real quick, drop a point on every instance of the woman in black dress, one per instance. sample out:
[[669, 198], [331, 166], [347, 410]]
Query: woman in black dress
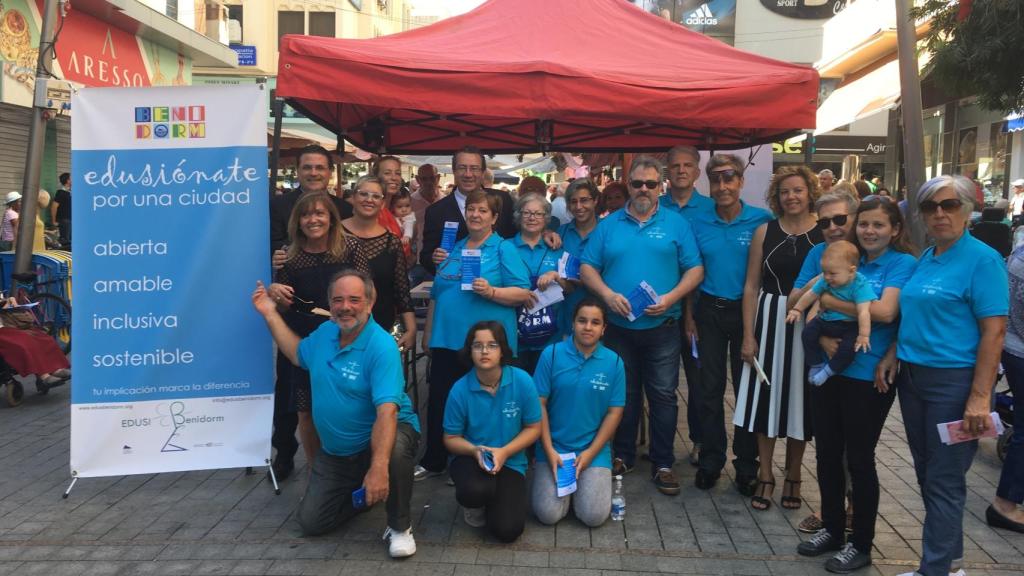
[[777, 410], [316, 252]]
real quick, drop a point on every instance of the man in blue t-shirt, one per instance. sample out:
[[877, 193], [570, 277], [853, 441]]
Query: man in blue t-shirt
[[642, 261], [368, 431]]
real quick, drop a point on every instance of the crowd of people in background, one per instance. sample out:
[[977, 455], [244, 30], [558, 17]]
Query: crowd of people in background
[[819, 310]]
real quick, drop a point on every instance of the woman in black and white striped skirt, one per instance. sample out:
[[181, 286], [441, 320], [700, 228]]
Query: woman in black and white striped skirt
[[777, 410]]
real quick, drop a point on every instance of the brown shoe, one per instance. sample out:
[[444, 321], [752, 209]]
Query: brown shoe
[[666, 482], [810, 525]]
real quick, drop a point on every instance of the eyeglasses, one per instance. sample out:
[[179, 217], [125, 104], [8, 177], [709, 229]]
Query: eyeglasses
[[947, 205], [489, 346], [475, 168], [839, 220], [649, 184], [531, 214], [375, 196], [722, 176], [581, 200]]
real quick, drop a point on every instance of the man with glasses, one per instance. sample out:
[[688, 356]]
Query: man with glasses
[[724, 234], [633, 250], [683, 170], [314, 168], [368, 429], [468, 165]]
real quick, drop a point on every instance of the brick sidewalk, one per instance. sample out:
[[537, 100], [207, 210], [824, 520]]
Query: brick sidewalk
[[225, 522]]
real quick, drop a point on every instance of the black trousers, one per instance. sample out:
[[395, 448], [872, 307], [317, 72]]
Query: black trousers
[[720, 327], [845, 330], [848, 419], [691, 369], [285, 419], [502, 495], [445, 370]]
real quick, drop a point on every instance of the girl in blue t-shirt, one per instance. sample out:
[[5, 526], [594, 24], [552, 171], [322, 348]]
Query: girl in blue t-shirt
[[582, 387], [491, 416]]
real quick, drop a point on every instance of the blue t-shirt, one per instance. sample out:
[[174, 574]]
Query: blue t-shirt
[[943, 301], [483, 419], [857, 291], [349, 384], [579, 392], [456, 310], [626, 252], [811, 266], [696, 204], [724, 247], [539, 260], [890, 270], [574, 244]]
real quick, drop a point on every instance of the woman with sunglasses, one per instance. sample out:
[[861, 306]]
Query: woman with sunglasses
[[537, 330], [850, 408], [491, 415], [502, 285], [378, 252], [316, 251], [953, 320], [776, 409], [582, 387]]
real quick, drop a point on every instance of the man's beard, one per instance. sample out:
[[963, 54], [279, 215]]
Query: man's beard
[[642, 205]]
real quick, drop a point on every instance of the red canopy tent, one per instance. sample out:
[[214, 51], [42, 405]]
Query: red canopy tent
[[526, 75]]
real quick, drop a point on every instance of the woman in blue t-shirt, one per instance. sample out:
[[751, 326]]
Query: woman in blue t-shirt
[[582, 388], [849, 409], [491, 416], [953, 319]]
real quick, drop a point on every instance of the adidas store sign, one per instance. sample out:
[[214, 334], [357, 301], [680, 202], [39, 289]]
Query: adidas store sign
[[702, 16]]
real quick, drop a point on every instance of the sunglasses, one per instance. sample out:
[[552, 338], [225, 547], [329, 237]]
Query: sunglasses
[[722, 176], [839, 220], [947, 205], [649, 184]]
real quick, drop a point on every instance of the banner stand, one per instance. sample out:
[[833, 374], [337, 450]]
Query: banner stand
[[248, 472]]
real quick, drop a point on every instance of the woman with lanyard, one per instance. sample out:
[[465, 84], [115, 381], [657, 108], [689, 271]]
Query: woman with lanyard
[[316, 252], [502, 285], [379, 253], [582, 388], [581, 197], [953, 320], [536, 330], [491, 416], [850, 408]]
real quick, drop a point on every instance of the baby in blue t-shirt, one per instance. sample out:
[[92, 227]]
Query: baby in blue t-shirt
[[839, 277]]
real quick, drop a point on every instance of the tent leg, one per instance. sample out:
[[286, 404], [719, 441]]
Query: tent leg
[[74, 479], [275, 154]]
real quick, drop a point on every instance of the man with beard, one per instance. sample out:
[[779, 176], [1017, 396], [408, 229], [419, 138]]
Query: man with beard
[[368, 430], [645, 244]]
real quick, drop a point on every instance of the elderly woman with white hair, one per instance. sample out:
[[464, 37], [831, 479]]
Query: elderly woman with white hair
[[953, 320]]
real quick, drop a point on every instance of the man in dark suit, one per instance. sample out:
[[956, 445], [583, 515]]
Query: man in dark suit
[[314, 168], [468, 165]]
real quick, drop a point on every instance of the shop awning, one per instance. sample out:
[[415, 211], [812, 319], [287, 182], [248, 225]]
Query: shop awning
[[525, 75], [1015, 123], [866, 95]]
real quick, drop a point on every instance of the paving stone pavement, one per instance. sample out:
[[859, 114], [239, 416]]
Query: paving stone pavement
[[228, 522]]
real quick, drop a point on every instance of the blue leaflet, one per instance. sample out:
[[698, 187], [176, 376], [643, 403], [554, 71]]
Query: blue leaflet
[[640, 298], [470, 268], [451, 229]]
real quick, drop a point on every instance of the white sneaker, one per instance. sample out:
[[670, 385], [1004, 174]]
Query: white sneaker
[[475, 517], [400, 544], [421, 473], [959, 572]]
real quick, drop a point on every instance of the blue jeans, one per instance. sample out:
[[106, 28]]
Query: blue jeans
[[928, 397], [651, 360], [1011, 482]]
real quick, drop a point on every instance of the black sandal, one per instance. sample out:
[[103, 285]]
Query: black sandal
[[761, 503], [791, 502]]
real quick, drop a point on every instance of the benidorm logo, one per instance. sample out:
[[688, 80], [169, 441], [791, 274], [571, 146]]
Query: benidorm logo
[[175, 122]]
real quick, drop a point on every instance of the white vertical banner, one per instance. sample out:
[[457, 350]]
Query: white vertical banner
[[173, 367]]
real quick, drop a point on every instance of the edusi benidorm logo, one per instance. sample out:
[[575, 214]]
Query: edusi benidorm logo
[[163, 122]]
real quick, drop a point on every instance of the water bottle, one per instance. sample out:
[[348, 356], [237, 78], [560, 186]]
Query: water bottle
[[618, 501]]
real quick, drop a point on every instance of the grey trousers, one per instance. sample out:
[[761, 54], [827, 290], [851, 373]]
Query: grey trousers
[[592, 501], [328, 500]]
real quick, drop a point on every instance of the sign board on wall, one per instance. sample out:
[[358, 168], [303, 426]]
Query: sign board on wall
[[173, 367], [805, 9], [246, 54], [715, 18]]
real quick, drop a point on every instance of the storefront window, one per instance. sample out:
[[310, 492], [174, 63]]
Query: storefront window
[[933, 120]]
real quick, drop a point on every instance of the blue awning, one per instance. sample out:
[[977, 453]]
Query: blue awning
[[1015, 124]]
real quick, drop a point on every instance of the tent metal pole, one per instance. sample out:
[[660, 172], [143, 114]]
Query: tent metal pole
[[275, 154], [913, 123]]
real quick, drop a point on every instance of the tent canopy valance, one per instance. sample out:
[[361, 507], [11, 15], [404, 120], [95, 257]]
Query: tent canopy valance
[[527, 75]]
